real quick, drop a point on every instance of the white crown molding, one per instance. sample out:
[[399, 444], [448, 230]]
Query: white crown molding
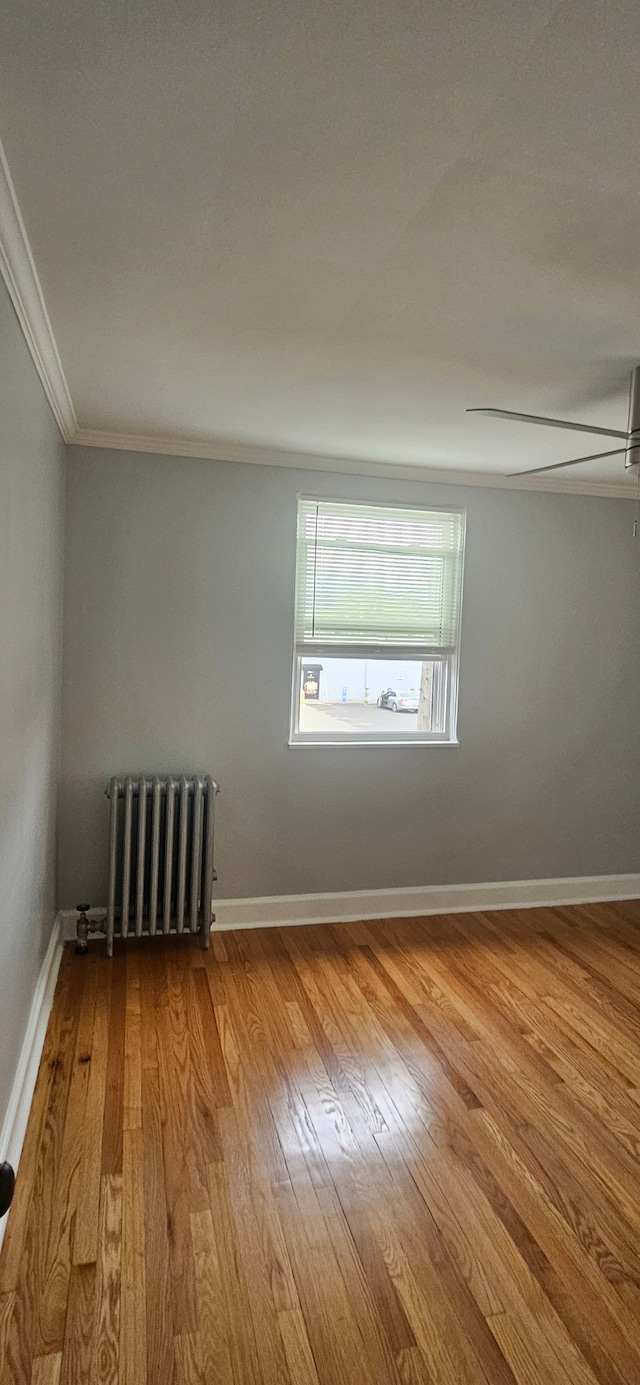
[[20, 275], [414, 901], [225, 450]]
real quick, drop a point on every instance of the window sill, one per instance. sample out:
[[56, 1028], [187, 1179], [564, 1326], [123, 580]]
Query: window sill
[[345, 742]]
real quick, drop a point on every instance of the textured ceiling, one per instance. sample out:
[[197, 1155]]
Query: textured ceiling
[[332, 227]]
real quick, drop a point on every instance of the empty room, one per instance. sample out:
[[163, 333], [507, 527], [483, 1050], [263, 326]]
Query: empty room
[[319, 674]]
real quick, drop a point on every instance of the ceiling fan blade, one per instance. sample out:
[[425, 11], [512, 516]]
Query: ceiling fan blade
[[550, 422], [555, 466]]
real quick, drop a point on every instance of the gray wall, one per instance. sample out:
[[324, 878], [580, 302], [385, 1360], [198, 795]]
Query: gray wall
[[31, 537], [178, 635]]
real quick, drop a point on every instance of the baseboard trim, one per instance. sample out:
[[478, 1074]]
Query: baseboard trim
[[17, 1113], [279, 911]]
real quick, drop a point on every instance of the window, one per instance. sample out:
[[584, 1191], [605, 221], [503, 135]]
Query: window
[[377, 618]]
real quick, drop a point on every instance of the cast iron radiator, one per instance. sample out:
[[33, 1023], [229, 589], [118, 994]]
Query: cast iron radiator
[[161, 856]]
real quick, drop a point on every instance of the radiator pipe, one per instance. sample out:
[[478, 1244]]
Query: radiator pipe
[[84, 927]]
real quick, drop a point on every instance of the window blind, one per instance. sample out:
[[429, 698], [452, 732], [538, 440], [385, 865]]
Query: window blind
[[371, 576]]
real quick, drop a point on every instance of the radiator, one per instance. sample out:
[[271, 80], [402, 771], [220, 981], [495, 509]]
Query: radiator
[[161, 856]]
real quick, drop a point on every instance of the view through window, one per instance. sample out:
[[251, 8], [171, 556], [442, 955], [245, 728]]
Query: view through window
[[378, 593]]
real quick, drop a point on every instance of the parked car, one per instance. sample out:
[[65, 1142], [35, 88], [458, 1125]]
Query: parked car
[[398, 702]]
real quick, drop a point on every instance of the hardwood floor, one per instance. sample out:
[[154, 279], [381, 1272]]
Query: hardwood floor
[[350, 1155]]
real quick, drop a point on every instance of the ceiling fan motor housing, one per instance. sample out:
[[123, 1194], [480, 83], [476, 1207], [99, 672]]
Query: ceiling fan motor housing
[[632, 455]]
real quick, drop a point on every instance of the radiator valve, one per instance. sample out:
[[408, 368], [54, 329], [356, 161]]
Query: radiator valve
[[84, 927]]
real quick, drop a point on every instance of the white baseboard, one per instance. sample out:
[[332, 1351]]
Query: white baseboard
[[17, 1113], [273, 911], [417, 900]]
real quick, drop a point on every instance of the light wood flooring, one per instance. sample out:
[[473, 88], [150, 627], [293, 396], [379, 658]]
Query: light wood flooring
[[353, 1155]]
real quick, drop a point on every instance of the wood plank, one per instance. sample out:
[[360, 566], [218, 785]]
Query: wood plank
[[237, 1314], [85, 1234], [106, 1353], [46, 1369], [133, 1317], [205, 1091], [215, 1328], [185, 1160], [132, 1094], [7, 1309], [331, 1321], [114, 1086], [160, 1322], [52, 1308], [188, 1367], [302, 1367], [80, 1326]]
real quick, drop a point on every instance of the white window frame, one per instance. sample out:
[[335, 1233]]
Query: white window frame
[[451, 658]]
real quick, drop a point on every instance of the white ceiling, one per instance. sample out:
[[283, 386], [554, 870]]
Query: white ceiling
[[331, 227]]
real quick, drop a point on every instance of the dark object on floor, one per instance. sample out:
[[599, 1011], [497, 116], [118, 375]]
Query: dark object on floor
[[7, 1185]]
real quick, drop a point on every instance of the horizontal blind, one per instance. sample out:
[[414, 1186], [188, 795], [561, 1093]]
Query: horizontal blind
[[374, 576]]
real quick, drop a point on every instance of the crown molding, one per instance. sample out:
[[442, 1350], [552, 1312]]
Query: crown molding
[[20, 275], [225, 450]]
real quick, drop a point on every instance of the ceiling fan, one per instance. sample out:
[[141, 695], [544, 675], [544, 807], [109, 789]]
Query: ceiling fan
[[631, 448]]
